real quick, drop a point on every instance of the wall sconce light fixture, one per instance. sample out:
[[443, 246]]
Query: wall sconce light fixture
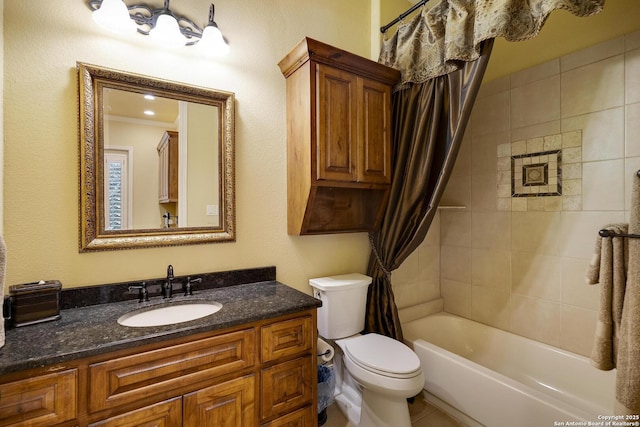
[[162, 25]]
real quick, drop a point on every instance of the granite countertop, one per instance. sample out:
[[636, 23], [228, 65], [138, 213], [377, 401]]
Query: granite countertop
[[91, 330]]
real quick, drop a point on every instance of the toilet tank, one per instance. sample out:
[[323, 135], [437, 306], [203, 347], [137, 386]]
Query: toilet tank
[[344, 300]]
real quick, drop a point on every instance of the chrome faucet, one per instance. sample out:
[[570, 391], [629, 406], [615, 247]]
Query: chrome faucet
[[167, 288]]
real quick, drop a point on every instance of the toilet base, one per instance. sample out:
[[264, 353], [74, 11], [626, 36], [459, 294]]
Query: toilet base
[[368, 404], [375, 411], [382, 411], [367, 408]]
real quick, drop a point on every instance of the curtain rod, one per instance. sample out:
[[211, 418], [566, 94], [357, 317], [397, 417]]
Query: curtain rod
[[402, 16]]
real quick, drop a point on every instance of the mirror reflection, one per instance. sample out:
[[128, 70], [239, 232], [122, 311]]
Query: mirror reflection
[[156, 162], [154, 147]]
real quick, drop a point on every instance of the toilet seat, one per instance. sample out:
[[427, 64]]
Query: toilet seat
[[382, 355]]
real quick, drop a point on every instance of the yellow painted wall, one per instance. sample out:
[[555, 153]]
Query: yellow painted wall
[[43, 41], [202, 128], [143, 140]]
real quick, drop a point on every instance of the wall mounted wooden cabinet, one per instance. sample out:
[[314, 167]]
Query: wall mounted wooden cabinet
[[338, 139], [168, 167]]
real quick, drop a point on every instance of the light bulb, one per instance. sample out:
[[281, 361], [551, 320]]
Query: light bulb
[[167, 31], [113, 15], [212, 41]]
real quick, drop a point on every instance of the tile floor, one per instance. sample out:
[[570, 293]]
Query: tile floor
[[422, 415]]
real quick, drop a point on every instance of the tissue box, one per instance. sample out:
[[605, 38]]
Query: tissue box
[[35, 302]]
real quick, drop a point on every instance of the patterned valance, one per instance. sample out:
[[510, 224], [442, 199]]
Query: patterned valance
[[434, 42]]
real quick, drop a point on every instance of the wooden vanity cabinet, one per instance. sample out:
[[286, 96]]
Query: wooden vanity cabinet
[[338, 139], [262, 373], [163, 414], [44, 399], [168, 167]]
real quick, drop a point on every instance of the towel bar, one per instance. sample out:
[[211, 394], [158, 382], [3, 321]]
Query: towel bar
[[607, 233]]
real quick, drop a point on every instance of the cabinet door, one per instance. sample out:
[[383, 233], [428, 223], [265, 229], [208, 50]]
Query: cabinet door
[[336, 127], [286, 338], [301, 418], [163, 414], [39, 401], [287, 386], [374, 119], [168, 168], [228, 404], [119, 381]]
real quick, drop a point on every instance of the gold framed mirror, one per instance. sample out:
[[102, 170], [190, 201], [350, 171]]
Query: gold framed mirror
[[156, 162]]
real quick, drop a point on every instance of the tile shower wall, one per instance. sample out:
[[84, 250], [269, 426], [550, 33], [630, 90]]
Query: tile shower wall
[[520, 266]]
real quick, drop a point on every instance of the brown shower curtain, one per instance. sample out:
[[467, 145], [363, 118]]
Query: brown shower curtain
[[442, 54], [429, 120]]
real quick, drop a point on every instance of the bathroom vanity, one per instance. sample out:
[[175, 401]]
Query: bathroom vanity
[[252, 363]]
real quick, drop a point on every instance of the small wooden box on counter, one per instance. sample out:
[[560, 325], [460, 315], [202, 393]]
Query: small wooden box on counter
[[32, 303]]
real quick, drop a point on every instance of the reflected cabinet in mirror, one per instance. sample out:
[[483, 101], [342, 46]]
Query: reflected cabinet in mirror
[[156, 162]]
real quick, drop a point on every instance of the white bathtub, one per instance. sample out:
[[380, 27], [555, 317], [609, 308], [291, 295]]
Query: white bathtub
[[495, 378]]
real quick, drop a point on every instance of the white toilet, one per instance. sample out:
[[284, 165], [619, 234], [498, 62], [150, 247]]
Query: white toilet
[[375, 374]]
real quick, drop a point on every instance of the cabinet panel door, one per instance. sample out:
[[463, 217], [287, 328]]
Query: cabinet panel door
[[287, 338], [286, 386], [39, 401], [119, 381], [228, 404], [374, 165], [163, 414], [301, 418], [336, 127], [168, 167]]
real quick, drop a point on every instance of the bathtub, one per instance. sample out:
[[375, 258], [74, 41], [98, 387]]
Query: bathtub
[[486, 376]]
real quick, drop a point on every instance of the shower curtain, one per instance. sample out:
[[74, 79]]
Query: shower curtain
[[442, 54]]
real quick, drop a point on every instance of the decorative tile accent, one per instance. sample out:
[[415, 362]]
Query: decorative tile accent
[[541, 174], [537, 174]]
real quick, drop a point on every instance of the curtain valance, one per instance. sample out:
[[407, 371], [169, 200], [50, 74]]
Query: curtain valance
[[434, 42]]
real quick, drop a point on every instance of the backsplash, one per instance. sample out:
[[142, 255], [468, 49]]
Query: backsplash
[[115, 292]]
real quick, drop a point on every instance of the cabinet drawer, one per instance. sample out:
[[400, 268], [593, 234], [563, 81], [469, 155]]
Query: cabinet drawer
[[163, 414], [230, 403], [286, 338], [126, 379], [286, 386], [300, 418], [39, 401]]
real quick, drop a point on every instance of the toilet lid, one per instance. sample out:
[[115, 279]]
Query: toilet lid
[[382, 355]]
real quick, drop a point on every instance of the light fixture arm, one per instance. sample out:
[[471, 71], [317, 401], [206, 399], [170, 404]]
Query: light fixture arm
[[146, 18], [212, 11]]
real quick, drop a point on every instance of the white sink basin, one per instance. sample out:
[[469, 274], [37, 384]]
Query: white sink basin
[[169, 314]]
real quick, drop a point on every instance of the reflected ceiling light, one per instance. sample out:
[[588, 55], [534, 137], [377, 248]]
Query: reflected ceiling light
[[149, 113], [149, 97], [162, 25]]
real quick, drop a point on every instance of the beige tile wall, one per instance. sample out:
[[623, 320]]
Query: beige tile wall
[[523, 271]]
